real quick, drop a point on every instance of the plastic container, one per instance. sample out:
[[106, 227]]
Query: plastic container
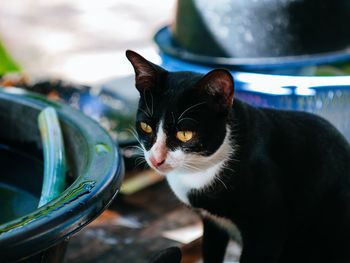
[[94, 175]]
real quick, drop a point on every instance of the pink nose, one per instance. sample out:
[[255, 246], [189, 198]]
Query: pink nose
[[156, 163]]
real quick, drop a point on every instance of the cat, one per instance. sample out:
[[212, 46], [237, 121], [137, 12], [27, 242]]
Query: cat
[[168, 255], [282, 177]]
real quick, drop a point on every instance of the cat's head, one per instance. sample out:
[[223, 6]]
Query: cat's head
[[182, 116]]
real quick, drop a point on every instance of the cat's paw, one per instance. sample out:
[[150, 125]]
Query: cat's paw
[[168, 255]]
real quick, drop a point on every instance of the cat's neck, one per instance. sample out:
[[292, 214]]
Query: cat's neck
[[205, 171]]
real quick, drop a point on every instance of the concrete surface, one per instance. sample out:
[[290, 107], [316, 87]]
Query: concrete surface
[[81, 40]]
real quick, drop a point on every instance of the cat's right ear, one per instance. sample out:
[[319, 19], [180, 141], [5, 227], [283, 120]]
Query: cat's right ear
[[146, 73], [219, 85]]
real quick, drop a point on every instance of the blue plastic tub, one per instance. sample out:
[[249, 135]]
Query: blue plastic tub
[[328, 97], [94, 175]]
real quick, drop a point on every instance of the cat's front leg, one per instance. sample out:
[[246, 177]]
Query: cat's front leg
[[215, 242], [263, 246], [258, 256]]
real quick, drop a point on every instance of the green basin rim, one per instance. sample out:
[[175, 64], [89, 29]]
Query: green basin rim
[[86, 198]]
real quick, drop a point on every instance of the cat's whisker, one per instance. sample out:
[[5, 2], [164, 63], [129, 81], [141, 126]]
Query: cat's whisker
[[145, 100], [190, 108], [142, 148], [145, 112], [192, 167], [217, 178], [202, 164], [134, 133], [139, 146], [140, 165], [230, 169], [172, 114], [135, 146], [139, 161], [191, 119], [132, 130], [141, 157], [152, 104], [187, 167]]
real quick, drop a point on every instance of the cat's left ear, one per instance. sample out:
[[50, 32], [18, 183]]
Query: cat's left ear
[[146, 73], [219, 85]]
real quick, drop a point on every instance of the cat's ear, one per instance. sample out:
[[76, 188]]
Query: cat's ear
[[146, 72], [219, 85]]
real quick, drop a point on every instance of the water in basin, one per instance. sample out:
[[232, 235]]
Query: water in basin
[[15, 202], [20, 180]]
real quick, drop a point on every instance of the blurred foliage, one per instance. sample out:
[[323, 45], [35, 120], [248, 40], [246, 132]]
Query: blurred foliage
[[6, 63], [336, 69]]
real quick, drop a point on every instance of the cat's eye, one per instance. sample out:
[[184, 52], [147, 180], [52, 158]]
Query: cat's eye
[[145, 127], [184, 136]]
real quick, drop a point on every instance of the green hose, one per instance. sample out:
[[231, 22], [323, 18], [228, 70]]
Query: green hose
[[54, 156]]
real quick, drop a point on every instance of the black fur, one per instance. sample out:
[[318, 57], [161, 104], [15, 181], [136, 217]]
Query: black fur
[[290, 192], [287, 185], [168, 255]]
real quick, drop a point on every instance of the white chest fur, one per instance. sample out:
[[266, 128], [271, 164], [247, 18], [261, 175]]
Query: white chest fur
[[181, 182], [204, 175]]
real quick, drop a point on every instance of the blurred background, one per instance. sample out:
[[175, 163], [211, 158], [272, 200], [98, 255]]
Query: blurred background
[[82, 41]]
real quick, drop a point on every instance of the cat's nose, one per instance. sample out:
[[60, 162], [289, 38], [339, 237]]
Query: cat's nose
[[156, 163]]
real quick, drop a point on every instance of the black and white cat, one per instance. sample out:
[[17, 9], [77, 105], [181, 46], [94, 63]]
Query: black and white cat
[[282, 177]]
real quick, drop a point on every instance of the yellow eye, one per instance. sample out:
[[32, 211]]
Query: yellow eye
[[145, 127], [184, 136]]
